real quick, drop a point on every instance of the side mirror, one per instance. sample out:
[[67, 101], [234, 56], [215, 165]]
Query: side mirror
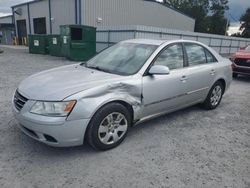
[[159, 70]]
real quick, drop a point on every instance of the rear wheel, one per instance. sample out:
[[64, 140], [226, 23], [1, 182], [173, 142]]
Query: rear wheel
[[214, 96], [109, 126]]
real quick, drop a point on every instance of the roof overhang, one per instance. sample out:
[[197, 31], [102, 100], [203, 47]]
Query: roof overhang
[[29, 2]]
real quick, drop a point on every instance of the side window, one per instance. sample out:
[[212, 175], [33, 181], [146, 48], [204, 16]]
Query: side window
[[172, 57], [210, 57], [196, 54]]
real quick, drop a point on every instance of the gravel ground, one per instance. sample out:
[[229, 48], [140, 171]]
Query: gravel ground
[[188, 148]]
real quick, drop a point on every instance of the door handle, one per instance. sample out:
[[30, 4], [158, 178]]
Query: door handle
[[184, 78], [212, 72]]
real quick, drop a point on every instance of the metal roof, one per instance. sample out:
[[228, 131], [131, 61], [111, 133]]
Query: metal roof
[[29, 2], [146, 41], [6, 16]]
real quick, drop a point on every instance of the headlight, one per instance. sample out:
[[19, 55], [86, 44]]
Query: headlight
[[53, 108]]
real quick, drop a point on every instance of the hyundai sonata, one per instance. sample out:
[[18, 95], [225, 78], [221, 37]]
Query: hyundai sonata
[[132, 81]]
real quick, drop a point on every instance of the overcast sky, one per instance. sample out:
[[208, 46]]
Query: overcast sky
[[237, 8]]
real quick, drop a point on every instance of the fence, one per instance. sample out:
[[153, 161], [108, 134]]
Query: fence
[[107, 36]]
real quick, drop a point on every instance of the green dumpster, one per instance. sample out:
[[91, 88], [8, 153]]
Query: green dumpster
[[38, 44], [78, 42], [54, 45]]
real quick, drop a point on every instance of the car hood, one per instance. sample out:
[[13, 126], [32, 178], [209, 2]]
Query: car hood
[[245, 54], [59, 83]]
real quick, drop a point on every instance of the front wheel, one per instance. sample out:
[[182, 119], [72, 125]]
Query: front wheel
[[214, 96], [109, 126]]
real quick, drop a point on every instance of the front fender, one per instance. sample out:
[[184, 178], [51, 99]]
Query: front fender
[[91, 100]]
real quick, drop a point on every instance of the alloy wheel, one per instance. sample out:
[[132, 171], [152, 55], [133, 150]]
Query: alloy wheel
[[112, 128], [216, 95]]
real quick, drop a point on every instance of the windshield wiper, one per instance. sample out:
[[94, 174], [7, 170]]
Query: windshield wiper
[[98, 68]]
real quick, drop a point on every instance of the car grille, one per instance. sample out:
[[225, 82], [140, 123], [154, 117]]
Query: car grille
[[19, 101], [242, 62]]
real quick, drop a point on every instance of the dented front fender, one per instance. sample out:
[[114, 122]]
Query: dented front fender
[[91, 100]]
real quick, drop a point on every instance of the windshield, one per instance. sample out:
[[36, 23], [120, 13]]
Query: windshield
[[122, 58], [247, 48]]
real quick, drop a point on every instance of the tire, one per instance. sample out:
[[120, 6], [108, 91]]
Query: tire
[[235, 75], [104, 132], [214, 96]]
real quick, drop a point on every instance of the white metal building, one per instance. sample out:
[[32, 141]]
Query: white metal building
[[6, 29], [45, 16], [6, 19]]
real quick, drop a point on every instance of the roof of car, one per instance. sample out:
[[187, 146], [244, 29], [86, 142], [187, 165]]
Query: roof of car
[[146, 41], [157, 42]]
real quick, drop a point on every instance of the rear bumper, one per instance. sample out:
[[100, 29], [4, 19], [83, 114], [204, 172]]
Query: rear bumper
[[53, 131], [241, 70]]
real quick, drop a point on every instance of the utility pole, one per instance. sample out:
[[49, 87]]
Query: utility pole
[[227, 23]]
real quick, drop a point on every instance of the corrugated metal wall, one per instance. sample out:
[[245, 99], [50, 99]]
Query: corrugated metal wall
[[39, 9], [6, 36], [6, 19], [24, 16], [107, 36], [62, 12], [112, 12], [133, 12]]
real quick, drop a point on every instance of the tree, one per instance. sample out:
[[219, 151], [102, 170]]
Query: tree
[[196, 9], [208, 14], [218, 23], [245, 25]]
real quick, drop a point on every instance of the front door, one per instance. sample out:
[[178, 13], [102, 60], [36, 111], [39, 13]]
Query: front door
[[162, 93]]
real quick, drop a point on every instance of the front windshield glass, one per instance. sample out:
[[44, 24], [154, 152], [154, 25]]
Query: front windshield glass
[[248, 47], [122, 58]]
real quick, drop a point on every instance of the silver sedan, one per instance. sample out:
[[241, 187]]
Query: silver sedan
[[128, 83]]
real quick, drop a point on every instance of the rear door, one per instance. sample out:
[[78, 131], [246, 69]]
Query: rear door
[[201, 72]]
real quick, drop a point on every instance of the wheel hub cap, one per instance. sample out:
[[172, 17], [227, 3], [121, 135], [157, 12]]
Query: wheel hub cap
[[216, 95], [112, 128]]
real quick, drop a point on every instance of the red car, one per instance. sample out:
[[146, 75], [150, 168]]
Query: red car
[[241, 62]]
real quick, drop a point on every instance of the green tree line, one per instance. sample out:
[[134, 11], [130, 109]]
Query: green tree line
[[209, 14], [245, 25]]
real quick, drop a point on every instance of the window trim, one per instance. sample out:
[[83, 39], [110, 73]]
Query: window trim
[[214, 58], [204, 49], [146, 73]]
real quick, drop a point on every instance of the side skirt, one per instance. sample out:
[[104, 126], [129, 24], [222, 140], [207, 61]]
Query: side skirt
[[147, 118]]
